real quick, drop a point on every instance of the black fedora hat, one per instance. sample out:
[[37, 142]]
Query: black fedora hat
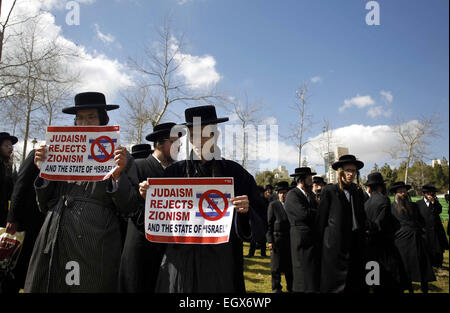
[[303, 171], [282, 185], [429, 188], [7, 136], [90, 100], [207, 114], [318, 180], [268, 187], [375, 179], [141, 151], [347, 159], [162, 131], [398, 184]]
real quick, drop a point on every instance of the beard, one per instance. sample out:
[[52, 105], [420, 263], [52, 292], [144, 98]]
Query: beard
[[403, 204]]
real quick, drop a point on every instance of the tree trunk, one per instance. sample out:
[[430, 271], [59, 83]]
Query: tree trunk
[[408, 161], [27, 130]]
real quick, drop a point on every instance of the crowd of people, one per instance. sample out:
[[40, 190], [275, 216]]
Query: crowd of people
[[321, 236], [326, 237]]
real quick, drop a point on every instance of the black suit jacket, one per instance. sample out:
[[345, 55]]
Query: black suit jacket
[[24, 209], [340, 230], [380, 235], [278, 222], [435, 233], [302, 214]]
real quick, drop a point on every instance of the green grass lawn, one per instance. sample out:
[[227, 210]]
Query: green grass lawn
[[258, 278]]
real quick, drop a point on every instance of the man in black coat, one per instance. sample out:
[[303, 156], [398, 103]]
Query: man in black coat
[[269, 194], [380, 236], [410, 238], [140, 261], [24, 215], [341, 220], [318, 183], [301, 209], [211, 268], [7, 143], [430, 208], [139, 151], [278, 239], [262, 242]]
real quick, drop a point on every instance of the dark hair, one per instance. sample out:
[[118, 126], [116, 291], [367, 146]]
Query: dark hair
[[102, 117], [300, 178], [374, 187]]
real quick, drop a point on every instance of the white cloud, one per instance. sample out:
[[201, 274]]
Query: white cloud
[[316, 79], [387, 96], [358, 101], [106, 38], [379, 111], [199, 72], [97, 71]]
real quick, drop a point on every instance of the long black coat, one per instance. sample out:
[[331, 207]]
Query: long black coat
[[213, 268], [410, 240], [340, 233], [25, 212], [435, 233], [81, 225], [278, 235], [6, 188], [140, 261], [302, 214], [380, 240]]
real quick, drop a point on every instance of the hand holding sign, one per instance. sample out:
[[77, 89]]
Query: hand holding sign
[[143, 187], [120, 158], [241, 204], [40, 155]]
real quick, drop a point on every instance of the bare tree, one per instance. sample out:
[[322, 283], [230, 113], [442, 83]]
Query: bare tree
[[305, 119], [249, 114], [4, 25], [324, 146], [159, 73], [412, 139], [143, 112], [37, 64]]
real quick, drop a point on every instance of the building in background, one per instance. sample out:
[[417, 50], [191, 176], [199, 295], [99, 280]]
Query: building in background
[[281, 172], [441, 162], [333, 156]]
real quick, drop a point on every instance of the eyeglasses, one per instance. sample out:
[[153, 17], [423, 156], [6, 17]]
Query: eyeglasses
[[7, 145]]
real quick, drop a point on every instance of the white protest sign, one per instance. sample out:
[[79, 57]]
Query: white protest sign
[[80, 153], [189, 210]]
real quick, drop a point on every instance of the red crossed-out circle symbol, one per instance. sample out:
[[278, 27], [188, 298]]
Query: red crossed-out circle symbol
[[220, 213], [97, 143]]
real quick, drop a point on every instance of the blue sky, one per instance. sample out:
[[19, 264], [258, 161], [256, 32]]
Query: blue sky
[[268, 47]]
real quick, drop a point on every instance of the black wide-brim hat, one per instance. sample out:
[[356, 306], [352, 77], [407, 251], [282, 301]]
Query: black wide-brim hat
[[141, 151], [347, 159], [269, 187], [206, 113], [375, 179], [90, 100], [397, 185], [282, 185], [303, 171], [318, 180], [162, 131], [429, 188], [7, 136]]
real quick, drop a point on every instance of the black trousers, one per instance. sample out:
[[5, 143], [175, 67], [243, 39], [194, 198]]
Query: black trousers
[[253, 245], [276, 280], [140, 262]]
